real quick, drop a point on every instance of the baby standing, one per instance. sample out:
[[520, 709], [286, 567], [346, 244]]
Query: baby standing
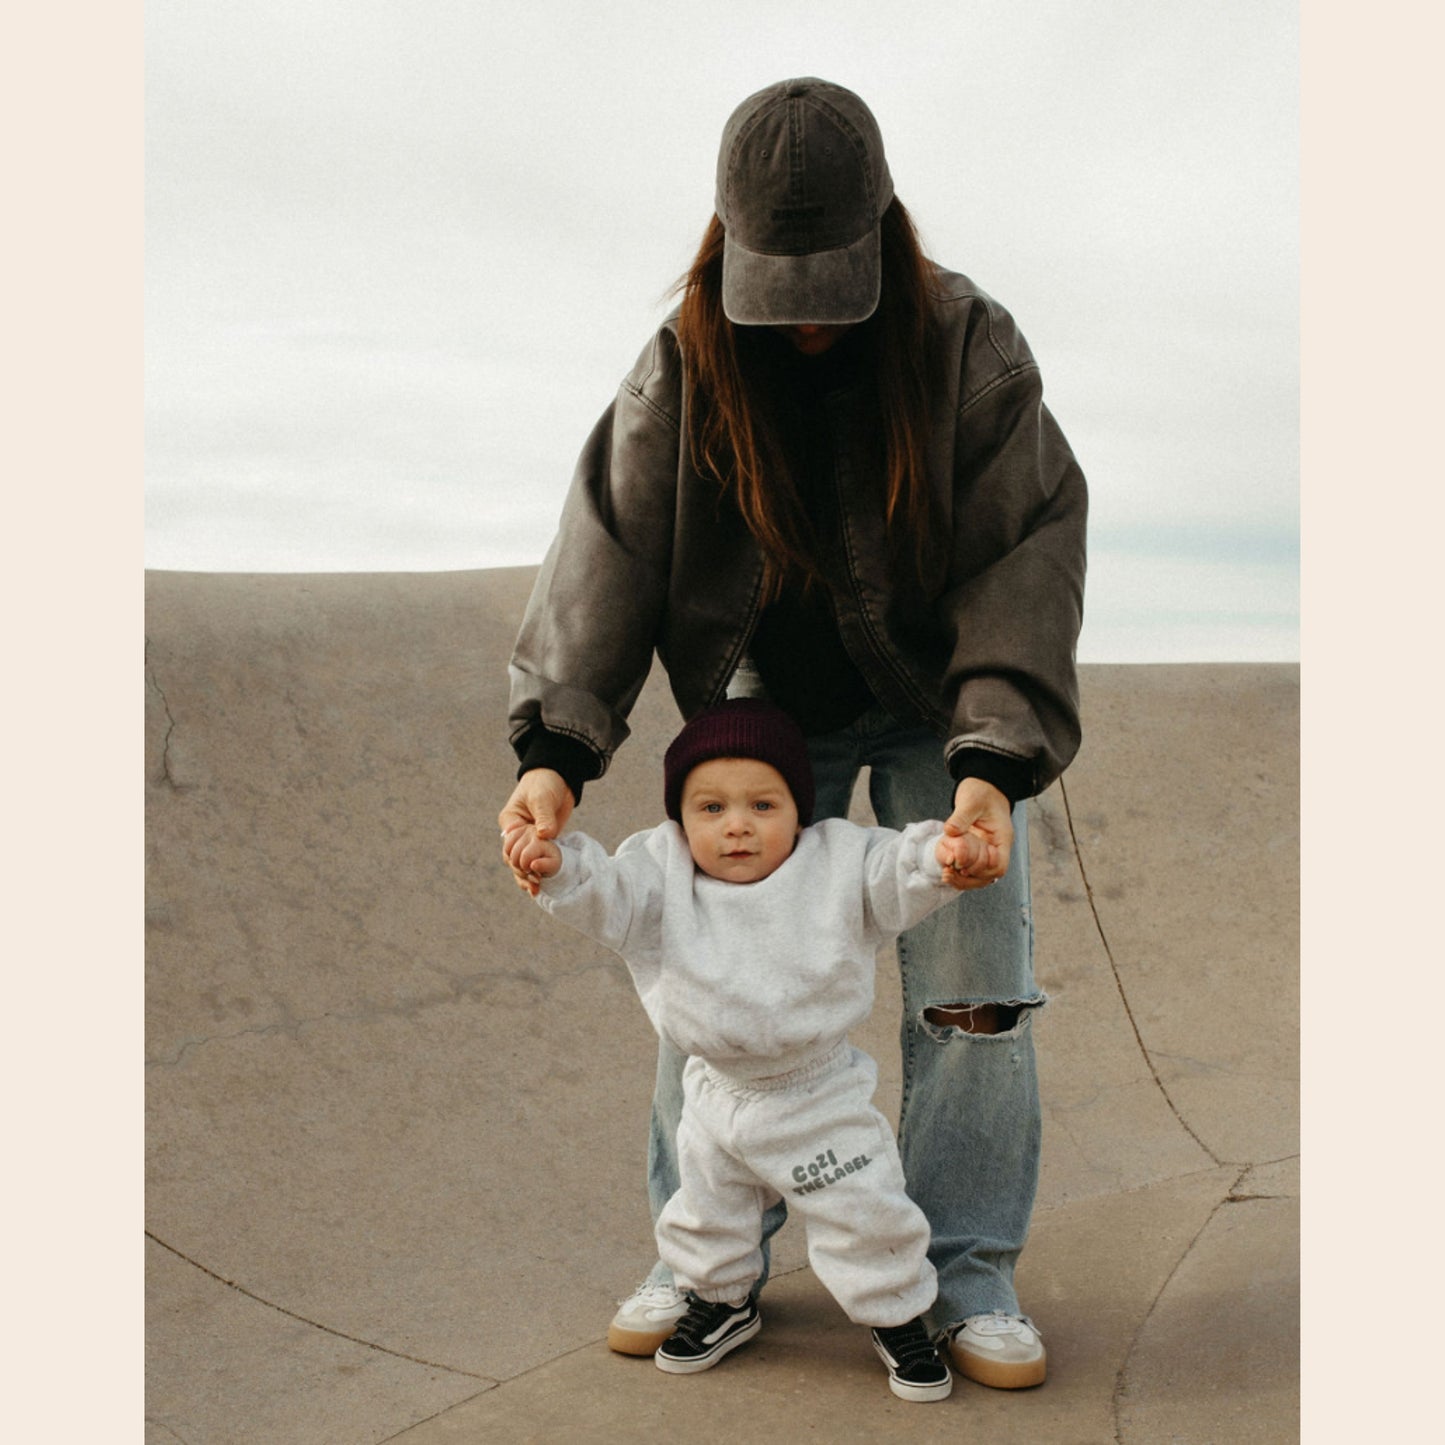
[[751, 938]]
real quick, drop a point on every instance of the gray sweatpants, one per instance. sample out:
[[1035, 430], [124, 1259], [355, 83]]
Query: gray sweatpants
[[814, 1138]]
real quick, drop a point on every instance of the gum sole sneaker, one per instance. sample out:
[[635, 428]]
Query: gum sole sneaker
[[646, 1318], [915, 1369], [705, 1334], [1004, 1351]]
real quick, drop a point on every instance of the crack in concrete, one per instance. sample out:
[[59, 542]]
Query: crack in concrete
[[1119, 982], [170, 1430], [315, 1324], [545, 1364], [165, 775], [1117, 1400], [187, 1045], [1283, 1159]]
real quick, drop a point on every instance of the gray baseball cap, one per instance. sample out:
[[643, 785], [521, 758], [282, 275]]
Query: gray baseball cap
[[801, 186]]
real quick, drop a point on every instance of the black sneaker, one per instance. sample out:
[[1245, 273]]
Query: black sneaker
[[705, 1334], [916, 1371]]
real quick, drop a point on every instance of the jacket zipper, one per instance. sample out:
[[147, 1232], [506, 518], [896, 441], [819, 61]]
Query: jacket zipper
[[880, 654], [745, 636]]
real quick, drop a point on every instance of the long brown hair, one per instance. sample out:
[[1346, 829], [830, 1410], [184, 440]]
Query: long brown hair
[[732, 434]]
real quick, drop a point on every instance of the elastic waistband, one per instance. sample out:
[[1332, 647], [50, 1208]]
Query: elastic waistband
[[838, 1055]]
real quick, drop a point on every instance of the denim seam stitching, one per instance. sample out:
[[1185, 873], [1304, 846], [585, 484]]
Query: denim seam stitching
[[990, 315], [966, 741], [995, 383], [566, 732], [653, 407], [646, 376]]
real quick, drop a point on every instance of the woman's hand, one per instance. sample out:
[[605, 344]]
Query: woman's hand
[[543, 800], [979, 808]]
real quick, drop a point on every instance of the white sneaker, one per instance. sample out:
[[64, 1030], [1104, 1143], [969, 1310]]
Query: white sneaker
[[1005, 1351], [646, 1319]]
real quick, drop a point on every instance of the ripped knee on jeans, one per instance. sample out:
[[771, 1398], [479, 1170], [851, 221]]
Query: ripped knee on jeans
[[979, 1018]]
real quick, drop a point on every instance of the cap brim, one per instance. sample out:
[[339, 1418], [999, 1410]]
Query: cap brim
[[817, 288]]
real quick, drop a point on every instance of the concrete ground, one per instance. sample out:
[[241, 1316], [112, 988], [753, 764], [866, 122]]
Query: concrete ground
[[397, 1118]]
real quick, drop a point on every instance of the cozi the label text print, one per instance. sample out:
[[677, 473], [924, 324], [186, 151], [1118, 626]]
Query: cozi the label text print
[[819, 1173]]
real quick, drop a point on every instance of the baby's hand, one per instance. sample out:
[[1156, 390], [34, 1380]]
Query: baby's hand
[[958, 855], [531, 858]]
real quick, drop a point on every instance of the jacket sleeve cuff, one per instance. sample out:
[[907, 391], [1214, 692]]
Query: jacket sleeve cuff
[[1013, 777], [575, 761]]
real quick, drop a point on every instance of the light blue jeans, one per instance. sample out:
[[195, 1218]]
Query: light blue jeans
[[969, 1119]]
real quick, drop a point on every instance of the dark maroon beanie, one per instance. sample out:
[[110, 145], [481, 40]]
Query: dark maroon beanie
[[742, 727]]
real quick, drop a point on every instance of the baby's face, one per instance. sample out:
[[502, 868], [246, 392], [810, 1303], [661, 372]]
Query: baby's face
[[740, 818]]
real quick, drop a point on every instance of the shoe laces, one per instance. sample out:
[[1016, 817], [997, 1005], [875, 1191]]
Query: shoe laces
[[909, 1344], [999, 1323], [653, 1292]]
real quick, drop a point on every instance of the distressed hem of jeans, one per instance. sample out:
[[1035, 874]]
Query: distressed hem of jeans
[[943, 1033]]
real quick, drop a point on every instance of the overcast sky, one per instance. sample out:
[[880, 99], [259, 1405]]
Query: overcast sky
[[400, 256]]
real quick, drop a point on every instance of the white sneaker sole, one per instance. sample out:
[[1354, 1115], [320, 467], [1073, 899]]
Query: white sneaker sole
[[705, 1362], [999, 1374], [905, 1391]]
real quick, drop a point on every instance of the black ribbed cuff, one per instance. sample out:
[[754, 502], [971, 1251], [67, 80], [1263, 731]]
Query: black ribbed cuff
[[575, 761], [1013, 777]]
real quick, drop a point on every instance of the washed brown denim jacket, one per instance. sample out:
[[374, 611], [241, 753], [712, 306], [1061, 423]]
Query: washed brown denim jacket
[[649, 557]]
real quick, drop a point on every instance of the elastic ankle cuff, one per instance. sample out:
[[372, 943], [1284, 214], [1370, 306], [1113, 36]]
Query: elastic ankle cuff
[[727, 1295]]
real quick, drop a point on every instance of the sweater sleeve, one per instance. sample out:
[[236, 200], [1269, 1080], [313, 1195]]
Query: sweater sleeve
[[902, 879], [611, 899]]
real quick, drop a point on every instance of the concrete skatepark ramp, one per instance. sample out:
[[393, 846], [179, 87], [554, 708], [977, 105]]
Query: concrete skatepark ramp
[[397, 1118]]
